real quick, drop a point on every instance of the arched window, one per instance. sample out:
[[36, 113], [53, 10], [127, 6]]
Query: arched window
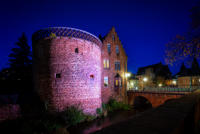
[[118, 81]]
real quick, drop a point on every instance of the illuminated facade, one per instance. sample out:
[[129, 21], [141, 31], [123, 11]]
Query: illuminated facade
[[188, 81], [67, 68], [74, 67], [114, 68], [153, 76]]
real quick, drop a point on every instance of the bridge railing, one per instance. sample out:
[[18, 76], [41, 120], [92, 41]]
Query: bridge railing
[[166, 89]]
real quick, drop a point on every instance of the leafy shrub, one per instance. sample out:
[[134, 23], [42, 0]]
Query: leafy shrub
[[103, 106], [90, 118], [99, 111], [113, 105], [73, 116]]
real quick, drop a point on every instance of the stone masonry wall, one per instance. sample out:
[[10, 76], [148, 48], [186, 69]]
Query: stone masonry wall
[[9, 111], [68, 72]]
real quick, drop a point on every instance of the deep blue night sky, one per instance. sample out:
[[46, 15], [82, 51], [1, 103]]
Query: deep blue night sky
[[144, 26]]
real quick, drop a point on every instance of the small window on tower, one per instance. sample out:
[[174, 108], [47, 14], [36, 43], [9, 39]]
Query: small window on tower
[[58, 75], [92, 76], [76, 50]]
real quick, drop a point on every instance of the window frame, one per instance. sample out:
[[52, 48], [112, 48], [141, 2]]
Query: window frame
[[117, 49], [106, 64], [117, 66], [109, 48], [105, 81]]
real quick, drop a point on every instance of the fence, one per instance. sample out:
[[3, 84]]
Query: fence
[[167, 89]]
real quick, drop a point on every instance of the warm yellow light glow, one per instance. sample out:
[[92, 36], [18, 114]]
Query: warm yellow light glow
[[160, 85], [116, 82], [132, 83], [145, 79], [174, 82], [127, 75]]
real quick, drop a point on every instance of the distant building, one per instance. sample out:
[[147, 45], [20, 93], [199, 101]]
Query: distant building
[[189, 77], [114, 67], [132, 83], [172, 82], [153, 75], [188, 81]]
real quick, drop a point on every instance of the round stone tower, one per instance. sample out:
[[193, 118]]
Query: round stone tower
[[67, 68]]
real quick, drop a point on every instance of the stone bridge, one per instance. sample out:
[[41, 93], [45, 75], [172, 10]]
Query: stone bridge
[[155, 98], [176, 116]]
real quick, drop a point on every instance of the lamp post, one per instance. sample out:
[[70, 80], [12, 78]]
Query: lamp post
[[145, 79], [127, 75]]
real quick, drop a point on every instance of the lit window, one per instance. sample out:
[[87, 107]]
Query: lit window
[[116, 83], [117, 49], [109, 48], [120, 82], [117, 65], [106, 63], [106, 81]]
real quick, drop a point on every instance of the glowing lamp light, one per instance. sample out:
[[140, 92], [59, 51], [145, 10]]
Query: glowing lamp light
[[174, 82], [160, 85], [132, 84], [127, 75], [145, 79]]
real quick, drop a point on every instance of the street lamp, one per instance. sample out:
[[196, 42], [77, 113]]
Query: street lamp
[[127, 75], [160, 85], [174, 82], [145, 79]]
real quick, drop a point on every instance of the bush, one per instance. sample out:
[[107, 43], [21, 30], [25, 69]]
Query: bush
[[103, 106], [113, 105], [73, 116], [99, 111], [90, 118]]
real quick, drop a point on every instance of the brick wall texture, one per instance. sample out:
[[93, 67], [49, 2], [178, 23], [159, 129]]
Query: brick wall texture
[[118, 93], [9, 111], [68, 72]]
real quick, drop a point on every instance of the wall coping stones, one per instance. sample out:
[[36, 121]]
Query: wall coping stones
[[66, 32]]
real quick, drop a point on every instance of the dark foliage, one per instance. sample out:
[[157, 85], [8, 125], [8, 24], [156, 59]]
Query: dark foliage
[[17, 78], [186, 47]]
